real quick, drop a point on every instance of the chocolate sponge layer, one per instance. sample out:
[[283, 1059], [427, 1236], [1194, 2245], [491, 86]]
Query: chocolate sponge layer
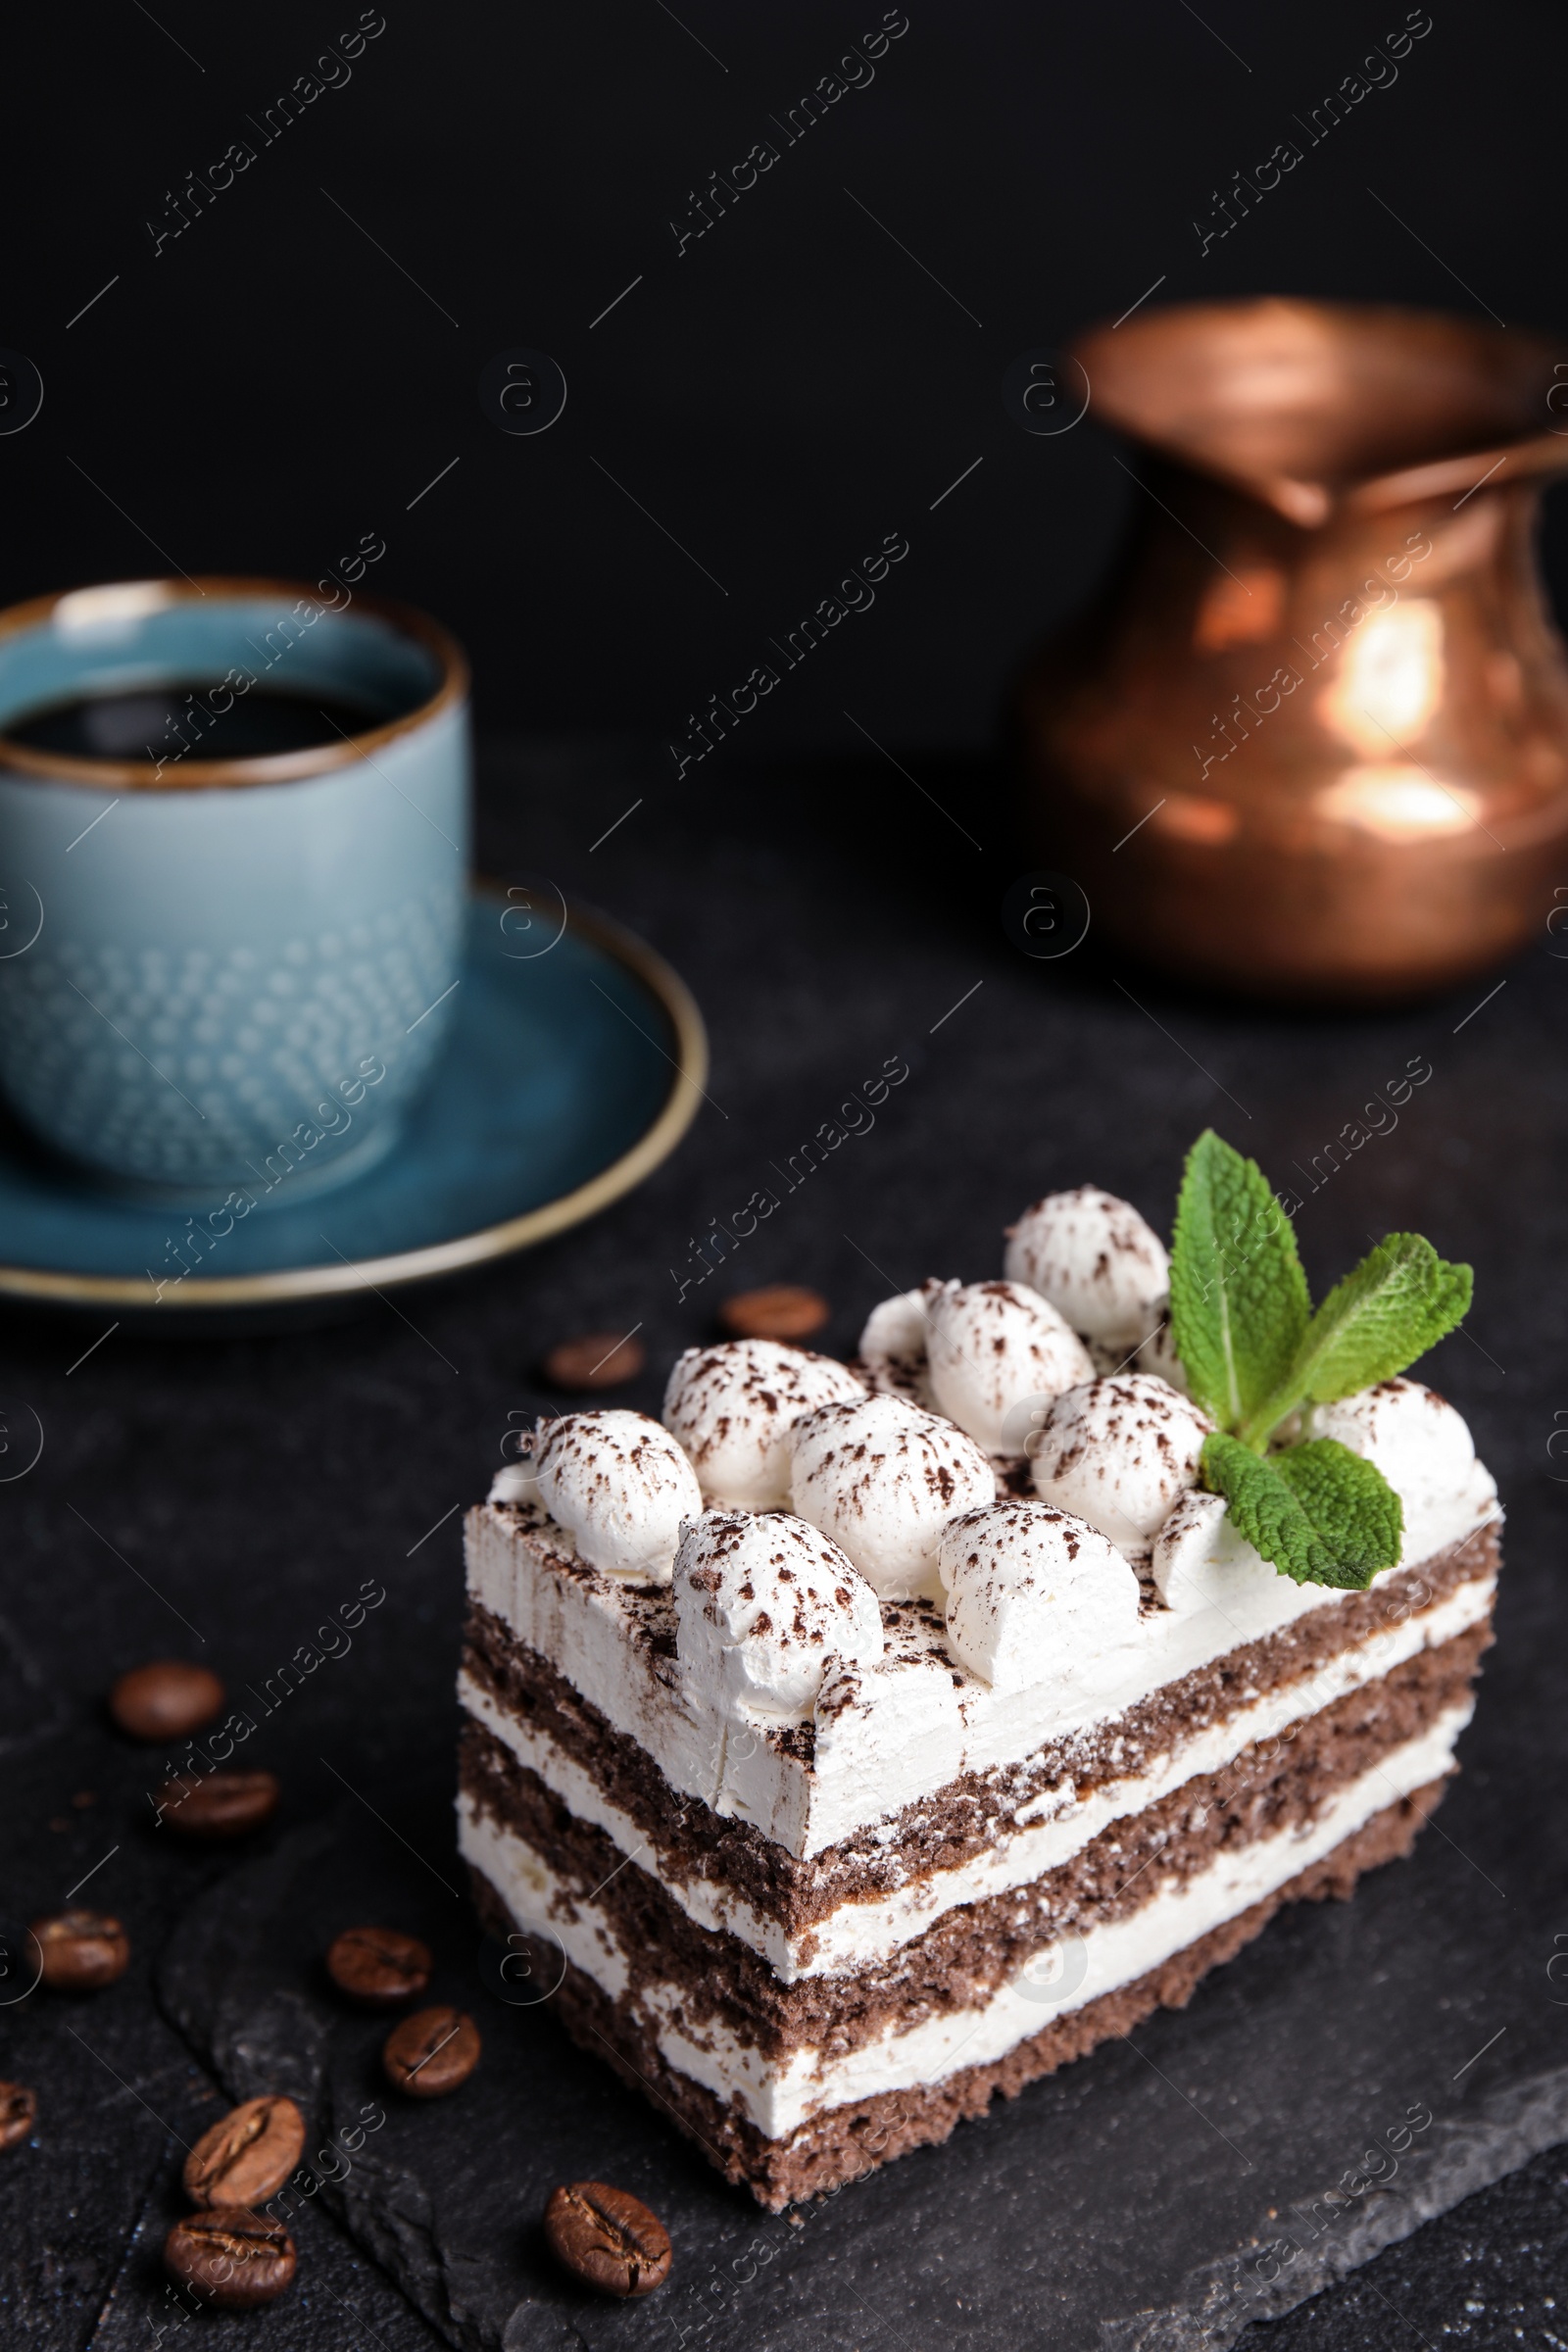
[[970, 1950], [850, 2142]]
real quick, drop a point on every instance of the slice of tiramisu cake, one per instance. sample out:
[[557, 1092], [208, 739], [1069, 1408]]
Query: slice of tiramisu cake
[[870, 1740]]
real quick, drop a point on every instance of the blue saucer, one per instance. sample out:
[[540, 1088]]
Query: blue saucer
[[571, 1069]]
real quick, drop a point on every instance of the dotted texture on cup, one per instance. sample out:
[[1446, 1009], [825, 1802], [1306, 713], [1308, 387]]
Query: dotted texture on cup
[[218, 1057]]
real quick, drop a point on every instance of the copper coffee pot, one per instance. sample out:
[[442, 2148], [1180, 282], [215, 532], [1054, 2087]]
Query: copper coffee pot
[[1314, 741]]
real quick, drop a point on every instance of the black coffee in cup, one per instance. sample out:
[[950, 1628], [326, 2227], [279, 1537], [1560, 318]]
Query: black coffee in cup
[[191, 721]]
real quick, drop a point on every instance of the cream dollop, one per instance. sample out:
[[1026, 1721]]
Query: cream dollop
[[516, 1482], [1118, 1453], [619, 1486], [1097, 1261], [999, 1354], [1033, 1593], [732, 1406], [893, 1348], [1200, 1561], [761, 1604], [882, 1479], [1411, 1434], [1157, 1355]]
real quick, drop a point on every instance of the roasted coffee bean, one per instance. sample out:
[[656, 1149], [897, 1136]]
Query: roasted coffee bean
[[81, 1950], [19, 2112], [379, 1967], [602, 1359], [431, 2052], [164, 1700], [781, 1312], [217, 1804], [231, 2257], [608, 2238], [247, 2156]]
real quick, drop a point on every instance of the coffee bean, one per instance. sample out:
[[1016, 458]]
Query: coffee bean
[[431, 2052], [231, 2257], [247, 2156], [217, 1804], [379, 1967], [781, 1312], [19, 2111], [602, 1359], [608, 2238], [164, 1700], [81, 1950]]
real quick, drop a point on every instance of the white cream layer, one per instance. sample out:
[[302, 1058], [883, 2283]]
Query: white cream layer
[[779, 2096], [1049, 1830], [910, 1725]]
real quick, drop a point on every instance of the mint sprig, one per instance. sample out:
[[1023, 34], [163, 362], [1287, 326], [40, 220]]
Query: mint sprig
[[1399, 1301], [1254, 1352], [1319, 1512], [1237, 1294]]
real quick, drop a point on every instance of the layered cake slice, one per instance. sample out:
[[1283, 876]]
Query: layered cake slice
[[865, 1740]]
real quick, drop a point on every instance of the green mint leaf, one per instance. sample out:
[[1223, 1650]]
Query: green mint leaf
[[1399, 1301], [1238, 1296], [1266, 1509], [1359, 1517], [1318, 1512]]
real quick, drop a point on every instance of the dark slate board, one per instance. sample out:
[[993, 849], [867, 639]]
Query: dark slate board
[[1126, 2202]]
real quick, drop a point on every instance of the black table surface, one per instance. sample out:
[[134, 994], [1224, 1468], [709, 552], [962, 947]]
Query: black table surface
[[212, 1497]]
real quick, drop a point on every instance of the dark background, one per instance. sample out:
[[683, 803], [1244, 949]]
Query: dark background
[[789, 389], [271, 387]]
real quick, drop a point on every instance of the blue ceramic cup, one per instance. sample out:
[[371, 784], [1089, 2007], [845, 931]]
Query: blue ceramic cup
[[225, 964]]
